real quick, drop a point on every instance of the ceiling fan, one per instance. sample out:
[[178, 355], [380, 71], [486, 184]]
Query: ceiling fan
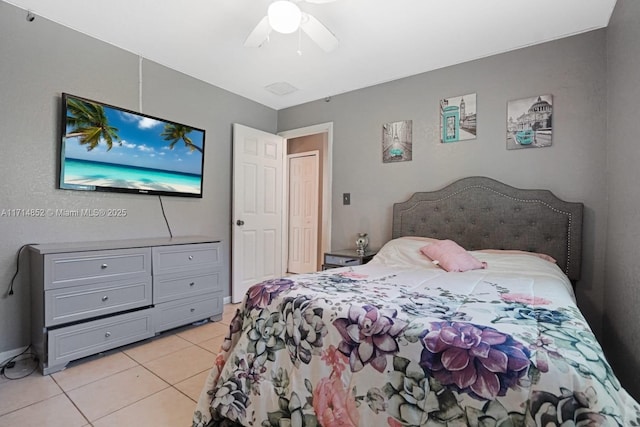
[[285, 16]]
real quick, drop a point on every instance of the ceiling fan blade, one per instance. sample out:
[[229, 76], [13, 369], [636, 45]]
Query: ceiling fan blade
[[318, 33], [260, 34]]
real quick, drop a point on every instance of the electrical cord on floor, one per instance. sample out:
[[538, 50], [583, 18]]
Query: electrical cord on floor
[[11, 362], [10, 290], [165, 216]]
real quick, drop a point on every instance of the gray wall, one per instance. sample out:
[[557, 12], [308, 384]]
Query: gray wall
[[571, 69], [38, 61], [622, 271]]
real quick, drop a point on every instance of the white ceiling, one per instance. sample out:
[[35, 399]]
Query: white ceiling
[[380, 40]]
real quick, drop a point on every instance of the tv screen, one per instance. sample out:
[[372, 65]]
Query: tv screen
[[107, 148]]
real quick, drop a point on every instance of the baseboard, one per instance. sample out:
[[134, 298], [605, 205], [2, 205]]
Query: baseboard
[[226, 300], [6, 355]]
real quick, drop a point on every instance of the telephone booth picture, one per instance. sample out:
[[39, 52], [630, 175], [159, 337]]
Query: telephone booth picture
[[450, 124], [458, 118]]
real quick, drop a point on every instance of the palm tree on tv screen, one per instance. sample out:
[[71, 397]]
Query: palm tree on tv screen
[[89, 122], [175, 133]]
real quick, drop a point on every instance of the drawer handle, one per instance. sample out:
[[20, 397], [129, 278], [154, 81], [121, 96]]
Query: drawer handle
[[193, 309], [106, 297], [107, 334], [192, 283], [103, 266], [190, 257]]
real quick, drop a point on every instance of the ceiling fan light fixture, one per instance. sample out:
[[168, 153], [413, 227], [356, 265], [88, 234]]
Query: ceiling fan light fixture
[[284, 16]]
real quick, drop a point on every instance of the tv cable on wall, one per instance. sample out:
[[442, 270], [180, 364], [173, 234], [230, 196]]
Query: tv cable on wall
[[165, 217]]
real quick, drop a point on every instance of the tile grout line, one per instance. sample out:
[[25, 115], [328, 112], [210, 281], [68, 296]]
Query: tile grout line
[[141, 399], [169, 386], [72, 402], [138, 364], [91, 382]]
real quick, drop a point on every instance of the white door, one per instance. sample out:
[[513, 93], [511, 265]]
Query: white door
[[324, 224], [303, 212], [257, 208]]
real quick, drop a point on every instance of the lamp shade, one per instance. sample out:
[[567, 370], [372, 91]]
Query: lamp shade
[[284, 16]]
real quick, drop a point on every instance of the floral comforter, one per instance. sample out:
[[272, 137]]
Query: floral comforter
[[399, 342]]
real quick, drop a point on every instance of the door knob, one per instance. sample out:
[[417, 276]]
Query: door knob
[[239, 222]]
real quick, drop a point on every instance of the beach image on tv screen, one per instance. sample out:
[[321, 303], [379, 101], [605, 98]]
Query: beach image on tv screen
[[113, 148]]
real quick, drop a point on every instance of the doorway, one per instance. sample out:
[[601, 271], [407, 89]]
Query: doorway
[[261, 251], [304, 199], [318, 138]]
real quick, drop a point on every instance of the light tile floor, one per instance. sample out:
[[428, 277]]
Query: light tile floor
[[152, 383]]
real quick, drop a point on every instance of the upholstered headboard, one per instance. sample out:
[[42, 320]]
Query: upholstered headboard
[[482, 213]]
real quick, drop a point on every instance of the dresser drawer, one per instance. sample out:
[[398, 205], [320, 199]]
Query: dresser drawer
[[77, 341], [179, 258], [171, 287], [181, 312], [68, 305], [79, 268]]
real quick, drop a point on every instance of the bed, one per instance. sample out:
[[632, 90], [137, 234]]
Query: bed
[[401, 341]]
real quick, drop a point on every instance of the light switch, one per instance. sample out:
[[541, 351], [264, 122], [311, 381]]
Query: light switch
[[346, 198]]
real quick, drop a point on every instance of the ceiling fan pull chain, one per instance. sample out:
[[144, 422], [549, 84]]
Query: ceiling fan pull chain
[[299, 41]]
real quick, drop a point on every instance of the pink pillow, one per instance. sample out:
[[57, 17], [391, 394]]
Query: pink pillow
[[451, 256]]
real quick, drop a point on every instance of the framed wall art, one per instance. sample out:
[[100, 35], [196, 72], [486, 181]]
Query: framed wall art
[[458, 118], [397, 141], [530, 122]]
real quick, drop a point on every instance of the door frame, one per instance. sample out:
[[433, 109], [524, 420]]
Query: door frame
[[327, 183], [316, 156]]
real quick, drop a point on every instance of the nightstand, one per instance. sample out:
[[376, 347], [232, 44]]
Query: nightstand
[[346, 258]]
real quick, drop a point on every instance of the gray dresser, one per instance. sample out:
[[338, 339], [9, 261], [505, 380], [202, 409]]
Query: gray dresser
[[94, 296]]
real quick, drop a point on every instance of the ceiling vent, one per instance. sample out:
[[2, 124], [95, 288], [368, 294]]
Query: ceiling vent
[[281, 88]]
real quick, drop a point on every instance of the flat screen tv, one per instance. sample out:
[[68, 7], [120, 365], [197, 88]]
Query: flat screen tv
[[107, 148]]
